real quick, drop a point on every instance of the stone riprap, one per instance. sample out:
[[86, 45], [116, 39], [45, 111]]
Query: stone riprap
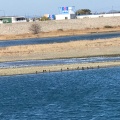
[[46, 26]]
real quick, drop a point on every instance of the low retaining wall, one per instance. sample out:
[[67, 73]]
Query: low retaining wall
[[46, 26]]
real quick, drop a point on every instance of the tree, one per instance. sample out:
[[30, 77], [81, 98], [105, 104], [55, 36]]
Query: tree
[[83, 12], [35, 28], [44, 18]]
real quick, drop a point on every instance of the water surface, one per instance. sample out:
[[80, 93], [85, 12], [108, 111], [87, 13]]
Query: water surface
[[72, 95], [57, 61], [92, 36]]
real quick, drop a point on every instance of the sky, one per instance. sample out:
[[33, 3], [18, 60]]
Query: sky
[[41, 7]]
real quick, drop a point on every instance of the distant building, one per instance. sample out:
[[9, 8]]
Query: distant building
[[12, 19], [66, 13], [52, 17], [65, 16]]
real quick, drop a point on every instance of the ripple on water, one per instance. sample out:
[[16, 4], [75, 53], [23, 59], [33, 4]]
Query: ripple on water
[[78, 95]]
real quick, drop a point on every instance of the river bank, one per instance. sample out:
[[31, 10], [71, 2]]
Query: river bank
[[60, 27], [59, 33], [73, 49]]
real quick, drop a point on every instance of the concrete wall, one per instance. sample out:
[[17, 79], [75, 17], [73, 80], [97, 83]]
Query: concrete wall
[[65, 16], [62, 16], [46, 26], [99, 15]]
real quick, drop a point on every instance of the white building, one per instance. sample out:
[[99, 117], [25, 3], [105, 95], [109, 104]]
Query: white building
[[66, 13], [12, 19], [65, 16]]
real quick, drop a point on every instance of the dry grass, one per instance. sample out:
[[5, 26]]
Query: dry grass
[[59, 50], [62, 50], [59, 33]]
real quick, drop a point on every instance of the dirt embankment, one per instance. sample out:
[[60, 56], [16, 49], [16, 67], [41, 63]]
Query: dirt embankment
[[59, 33], [60, 27]]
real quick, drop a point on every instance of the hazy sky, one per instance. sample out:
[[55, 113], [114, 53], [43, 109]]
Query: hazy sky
[[40, 7]]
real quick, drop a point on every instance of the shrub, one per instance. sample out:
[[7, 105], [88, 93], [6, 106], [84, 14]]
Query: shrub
[[60, 29], [44, 18], [97, 28], [35, 28], [108, 26]]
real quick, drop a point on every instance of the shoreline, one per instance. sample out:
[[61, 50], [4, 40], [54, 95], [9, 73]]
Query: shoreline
[[59, 33], [56, 68], [109, 55], [73, 49]]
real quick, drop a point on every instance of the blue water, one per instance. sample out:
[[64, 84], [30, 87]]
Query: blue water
[[72, 95], [92, 36]]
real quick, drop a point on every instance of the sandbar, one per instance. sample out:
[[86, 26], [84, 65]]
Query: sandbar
[[56, 68], [74, 49]]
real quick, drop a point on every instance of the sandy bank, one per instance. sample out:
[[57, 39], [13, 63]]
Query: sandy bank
[[59, 33], [61, 27], [74, 49], [44, 69], [86, 48]]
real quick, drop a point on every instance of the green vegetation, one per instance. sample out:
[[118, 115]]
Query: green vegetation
[[83, 12], [44, 18]]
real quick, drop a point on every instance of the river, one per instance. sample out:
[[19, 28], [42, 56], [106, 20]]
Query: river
[[73, 95], [92, 36], [57, 61]]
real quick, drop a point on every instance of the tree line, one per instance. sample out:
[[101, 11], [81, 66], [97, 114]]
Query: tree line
[[83, 12]]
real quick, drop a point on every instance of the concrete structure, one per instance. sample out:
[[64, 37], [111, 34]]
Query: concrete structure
[[65, 13], [54, 25], [98, 15], [11, 19], [65, 16]]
